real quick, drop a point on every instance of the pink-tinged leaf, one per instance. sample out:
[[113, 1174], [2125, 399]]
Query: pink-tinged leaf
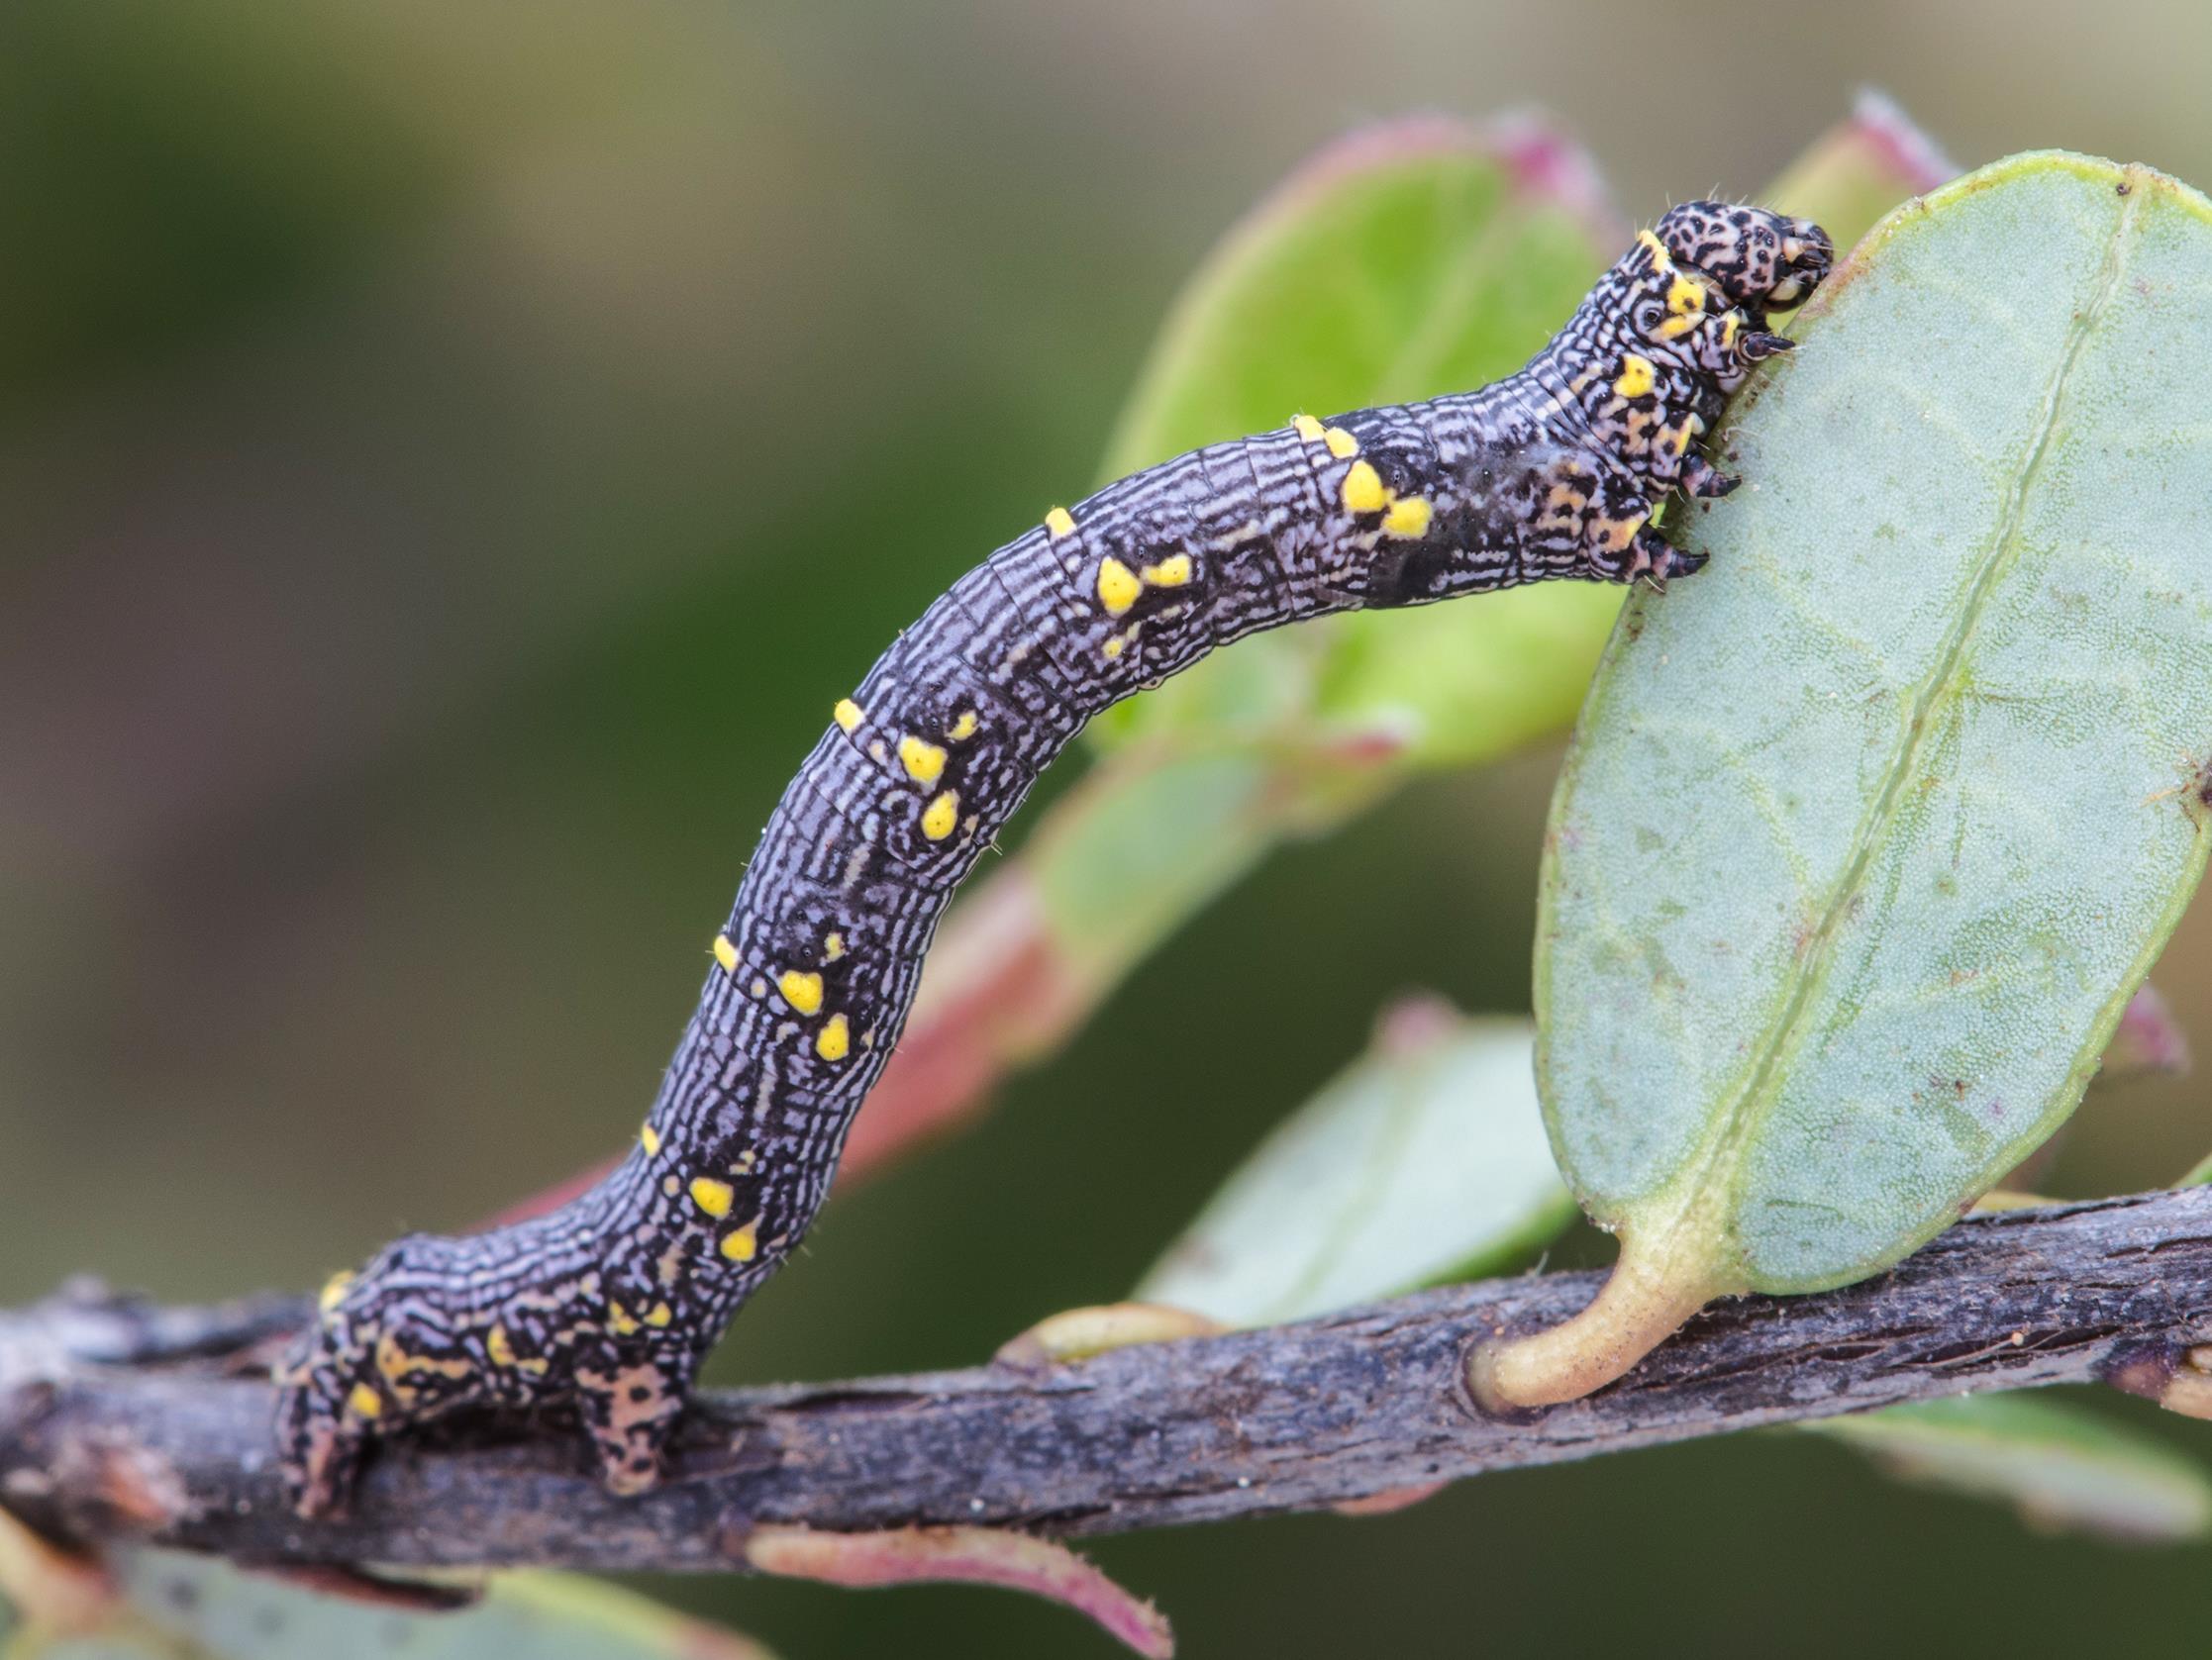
[[1914, 158], [1860, 168], [968, 1555], [1390, 1502], [2149, 1042]]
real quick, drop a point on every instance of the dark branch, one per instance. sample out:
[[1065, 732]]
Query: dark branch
[[1361, 1403]]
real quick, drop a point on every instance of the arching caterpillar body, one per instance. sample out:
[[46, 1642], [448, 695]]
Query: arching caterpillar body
[[612, 1302]]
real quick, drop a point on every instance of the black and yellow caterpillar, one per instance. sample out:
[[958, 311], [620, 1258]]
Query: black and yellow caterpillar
[[611, 1303]]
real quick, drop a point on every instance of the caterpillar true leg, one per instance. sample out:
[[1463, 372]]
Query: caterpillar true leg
[[607, 1305], [1658, 560]]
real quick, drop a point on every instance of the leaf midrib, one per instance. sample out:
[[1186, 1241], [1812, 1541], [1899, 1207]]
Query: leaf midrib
[[1783, 1036]]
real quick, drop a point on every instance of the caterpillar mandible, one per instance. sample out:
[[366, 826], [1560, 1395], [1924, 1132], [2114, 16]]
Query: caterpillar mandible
[[610, 1302]]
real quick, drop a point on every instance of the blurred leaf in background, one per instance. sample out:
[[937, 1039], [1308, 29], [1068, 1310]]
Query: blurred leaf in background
[[171, 1606], [1426, 1160]]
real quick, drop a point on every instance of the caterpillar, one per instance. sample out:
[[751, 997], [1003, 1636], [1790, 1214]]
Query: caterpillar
[[608, 1304]]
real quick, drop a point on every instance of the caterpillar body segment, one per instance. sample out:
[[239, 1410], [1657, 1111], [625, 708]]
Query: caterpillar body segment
[[609, 1304]]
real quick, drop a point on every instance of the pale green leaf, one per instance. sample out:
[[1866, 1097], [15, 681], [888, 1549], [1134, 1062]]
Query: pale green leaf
[[180, 1606], [1870, 833], [1424, 1161], [2059, 1466]]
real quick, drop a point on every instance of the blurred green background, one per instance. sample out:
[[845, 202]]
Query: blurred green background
[[453, 458]]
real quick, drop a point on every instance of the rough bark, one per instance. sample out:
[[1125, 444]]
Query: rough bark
[[116, 1424]]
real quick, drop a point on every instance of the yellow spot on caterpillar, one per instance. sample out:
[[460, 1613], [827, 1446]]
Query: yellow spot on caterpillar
[[711, 1196], [659, 1315], [1637, 376], [1363, 489], [802, 991], [619, 1320], [1661, 260], [393, 1360], [847, 713], [964, 728], [1115, 646], [834, 1039], [1060, 523], [1342, 445], [1117, 586], [1619, 533], [1674, 327], [1730, 323], [938, 819], [1171, 573], [1307, 428], [334, 1289], [1685, 298], [924, 761], [832, 945], [726, 953], [1408, 517], [650, 1139], [496, 1345], [364, 1401], [742, 1245]]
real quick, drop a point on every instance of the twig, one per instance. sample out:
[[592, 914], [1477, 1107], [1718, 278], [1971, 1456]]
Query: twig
[[1361, 1403]]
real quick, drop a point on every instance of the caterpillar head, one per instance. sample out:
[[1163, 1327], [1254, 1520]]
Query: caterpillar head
[[1761, 260]]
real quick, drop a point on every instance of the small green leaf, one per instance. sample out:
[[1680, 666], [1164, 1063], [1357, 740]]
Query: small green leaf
[[1424, 1161], [1415, 258], [2059, 1466], [1408, 259], [1868, 834], [180, 1606]]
